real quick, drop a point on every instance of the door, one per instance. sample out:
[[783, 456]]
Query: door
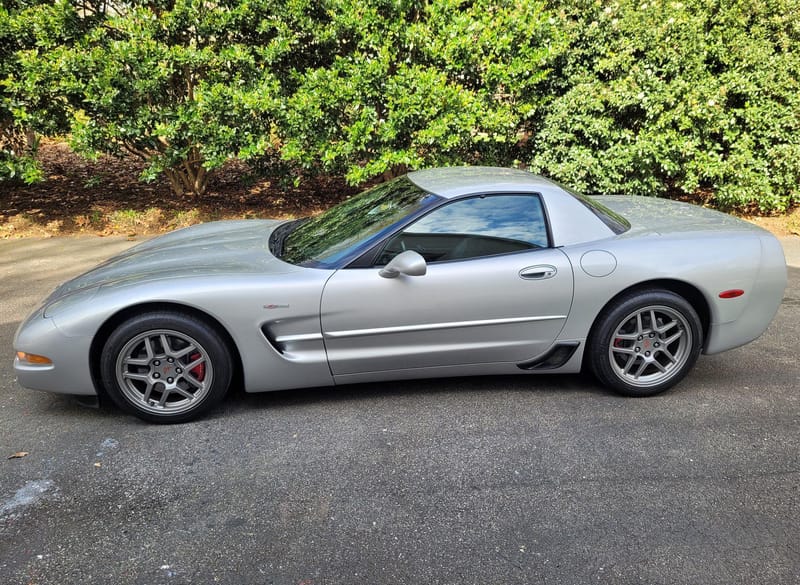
[[493, 292]]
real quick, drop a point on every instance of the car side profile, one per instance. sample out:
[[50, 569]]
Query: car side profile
[[442, 272]]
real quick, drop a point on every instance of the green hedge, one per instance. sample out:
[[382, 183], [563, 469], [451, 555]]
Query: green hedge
[[416, 84], [691, 97]]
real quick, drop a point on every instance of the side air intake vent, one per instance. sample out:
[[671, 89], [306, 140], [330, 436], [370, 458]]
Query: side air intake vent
[[555, 357]]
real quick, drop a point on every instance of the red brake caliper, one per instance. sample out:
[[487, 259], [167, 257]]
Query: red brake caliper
[[617, 342], [199, 371]]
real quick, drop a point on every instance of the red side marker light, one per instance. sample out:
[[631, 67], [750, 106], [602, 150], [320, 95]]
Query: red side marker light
[[731, 294]]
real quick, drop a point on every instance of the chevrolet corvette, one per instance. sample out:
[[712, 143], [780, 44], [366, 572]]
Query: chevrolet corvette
[[441, 272]]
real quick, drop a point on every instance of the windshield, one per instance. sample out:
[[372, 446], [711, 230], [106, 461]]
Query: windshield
[[354, 225]]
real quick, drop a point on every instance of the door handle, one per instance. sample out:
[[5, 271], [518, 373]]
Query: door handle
[[542, 272]]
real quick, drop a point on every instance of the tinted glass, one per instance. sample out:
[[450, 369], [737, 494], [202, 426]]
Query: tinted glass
[[355, 224], [471, 228]]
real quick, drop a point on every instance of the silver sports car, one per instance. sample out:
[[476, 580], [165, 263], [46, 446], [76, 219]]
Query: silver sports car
[[442, 272]]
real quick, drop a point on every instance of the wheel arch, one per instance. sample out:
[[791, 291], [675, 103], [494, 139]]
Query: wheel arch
[[115, 320], [691, 293]]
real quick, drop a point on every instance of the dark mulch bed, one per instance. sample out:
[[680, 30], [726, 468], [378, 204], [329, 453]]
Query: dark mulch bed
[[106, 196]]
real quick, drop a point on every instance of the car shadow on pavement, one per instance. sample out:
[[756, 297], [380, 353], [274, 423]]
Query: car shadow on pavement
[[436, 389]]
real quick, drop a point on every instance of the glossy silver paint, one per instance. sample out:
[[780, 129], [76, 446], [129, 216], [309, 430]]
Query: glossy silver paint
[[463, 319], [298, 327]]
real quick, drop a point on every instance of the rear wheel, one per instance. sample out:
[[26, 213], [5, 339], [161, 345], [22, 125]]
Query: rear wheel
[[166, 367], [645, 343]]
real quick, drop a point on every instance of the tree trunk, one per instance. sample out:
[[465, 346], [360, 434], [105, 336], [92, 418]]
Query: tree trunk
[[190, 177]]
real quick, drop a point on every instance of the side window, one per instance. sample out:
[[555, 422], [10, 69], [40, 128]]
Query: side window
[[473, 228]]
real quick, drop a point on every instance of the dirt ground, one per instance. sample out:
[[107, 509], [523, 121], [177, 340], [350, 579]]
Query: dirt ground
[[781, 225], [105, 197]]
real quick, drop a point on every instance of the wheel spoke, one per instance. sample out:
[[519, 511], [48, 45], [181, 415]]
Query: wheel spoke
[[628, 364], [641, 369], [670, 340], [147, 392], [639, 326], [669, 355], [182, 352], [137, 361], [192, 380], [184, 393], [194, 364], [666, 327], [623, 350], [165, 344], [148, 348], [134, 376]]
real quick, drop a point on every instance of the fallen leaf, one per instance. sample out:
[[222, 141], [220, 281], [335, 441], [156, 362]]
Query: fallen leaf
[[18, 455], [98, 464]]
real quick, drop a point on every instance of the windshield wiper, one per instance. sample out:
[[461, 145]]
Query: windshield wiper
[[278, 237]]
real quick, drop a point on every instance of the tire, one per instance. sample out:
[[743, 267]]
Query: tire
[[166, 367], [631, 354]]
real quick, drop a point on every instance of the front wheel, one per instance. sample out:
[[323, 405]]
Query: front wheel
[[166, 367], [645, 343]]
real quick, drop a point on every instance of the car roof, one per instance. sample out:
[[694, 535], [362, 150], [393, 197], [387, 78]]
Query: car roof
[[456, 181]]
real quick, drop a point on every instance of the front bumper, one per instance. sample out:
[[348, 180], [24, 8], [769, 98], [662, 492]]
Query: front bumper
[[68, 374]]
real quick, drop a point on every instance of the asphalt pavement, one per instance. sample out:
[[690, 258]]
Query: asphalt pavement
[[515, 480]]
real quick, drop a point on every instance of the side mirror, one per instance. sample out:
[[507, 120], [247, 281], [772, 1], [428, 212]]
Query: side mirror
[[410, 263]]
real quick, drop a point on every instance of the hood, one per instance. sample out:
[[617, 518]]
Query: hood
[[222, 247], [665, 217]]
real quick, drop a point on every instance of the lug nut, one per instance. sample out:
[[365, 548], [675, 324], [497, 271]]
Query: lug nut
[[169, 380], [656, 344], [637, 350], [156, 375], [652, 334], [639, 338], [647, 353], [170, 360], [157, 363], [178, 371]]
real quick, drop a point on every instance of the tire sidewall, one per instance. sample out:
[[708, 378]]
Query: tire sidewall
[[610, 319], [204, 334]]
